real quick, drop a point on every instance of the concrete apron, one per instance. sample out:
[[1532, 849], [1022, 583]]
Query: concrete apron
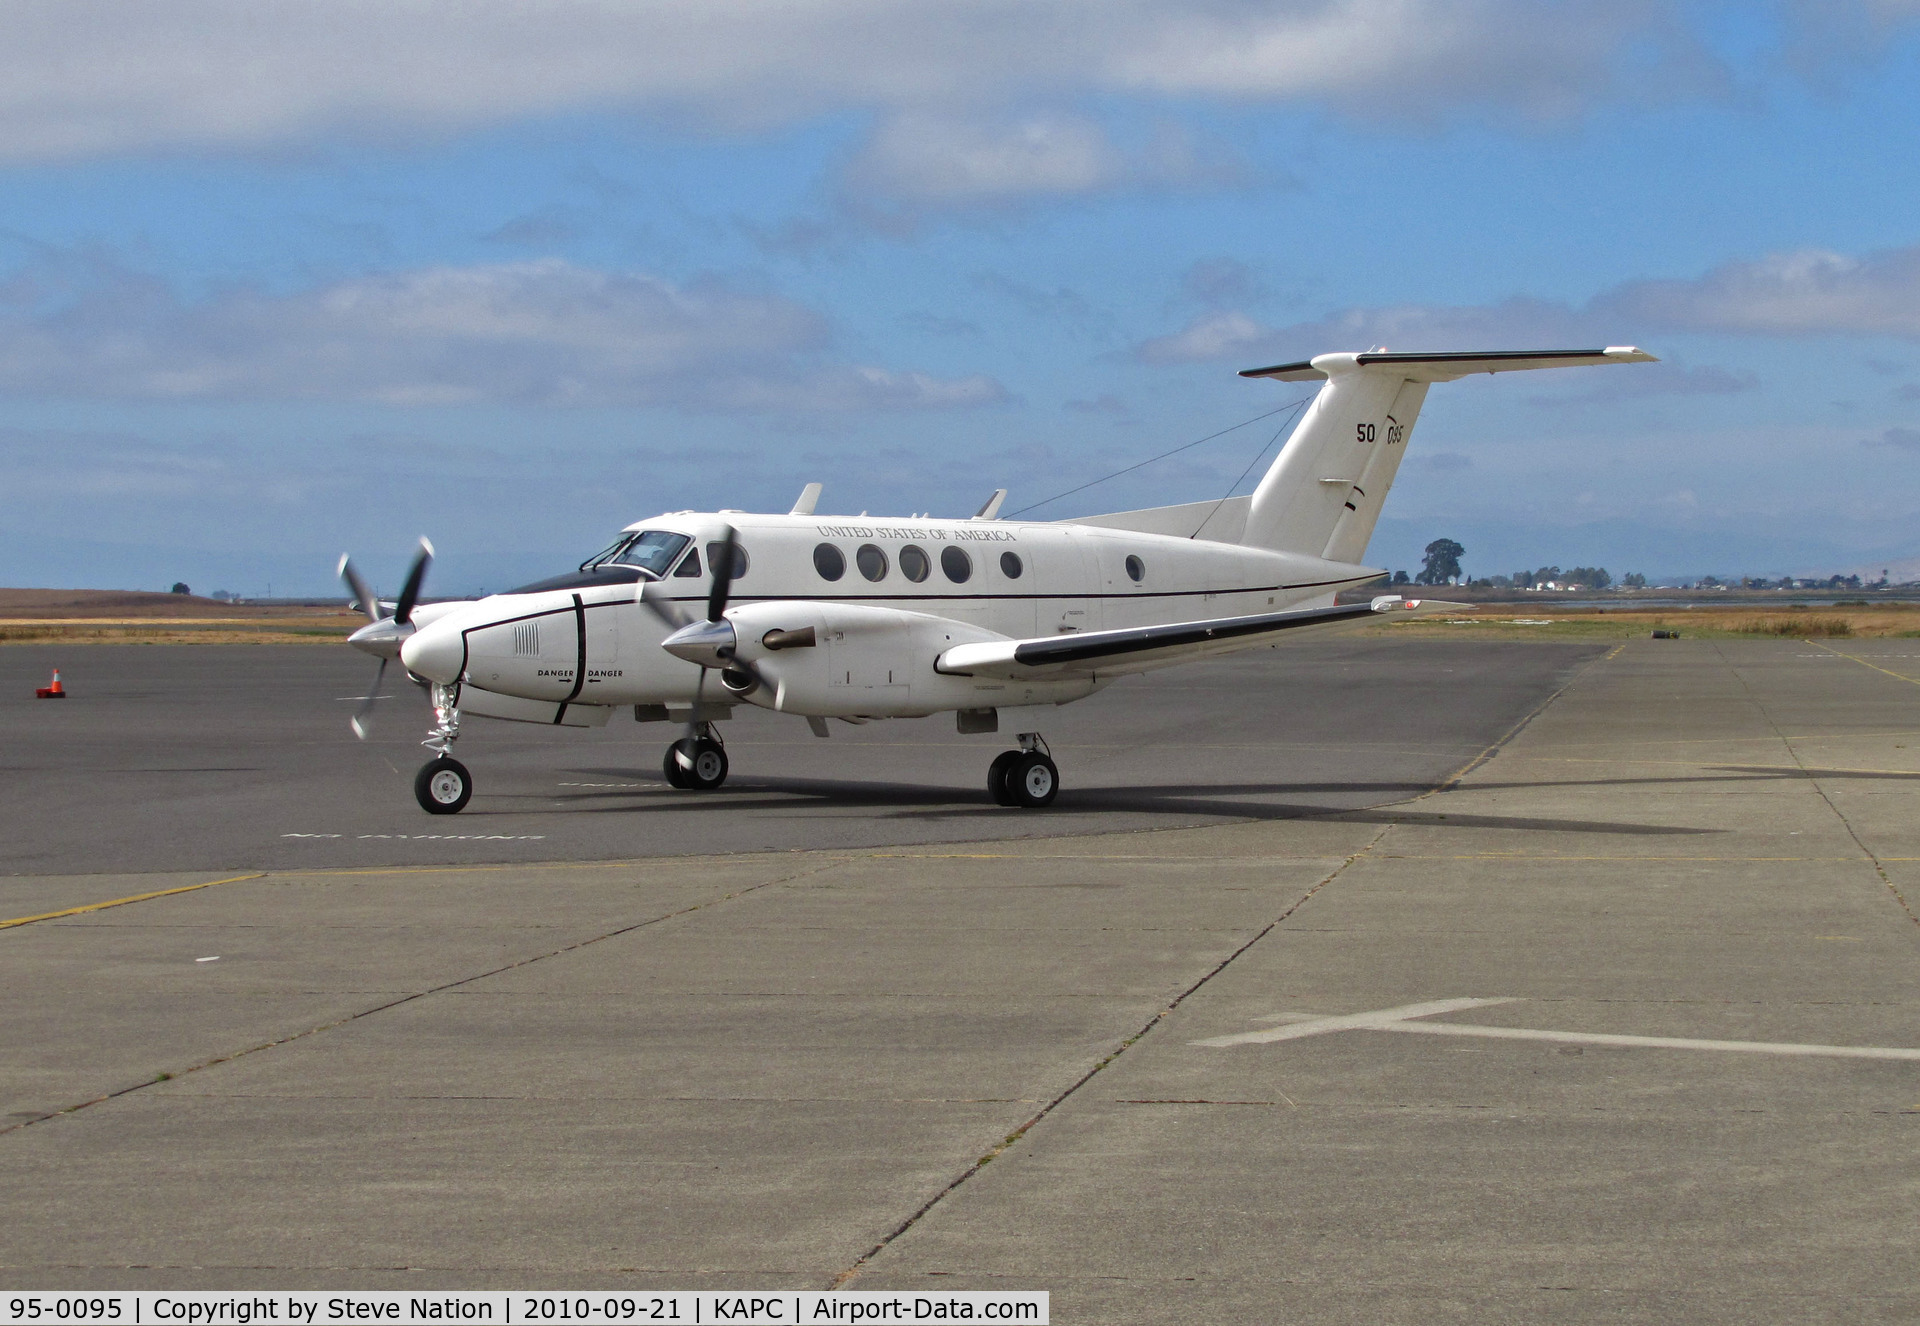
[[788, 1069]]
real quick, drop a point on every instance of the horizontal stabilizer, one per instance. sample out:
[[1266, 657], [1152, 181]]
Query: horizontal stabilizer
[[1140, 648], [1447, 367]]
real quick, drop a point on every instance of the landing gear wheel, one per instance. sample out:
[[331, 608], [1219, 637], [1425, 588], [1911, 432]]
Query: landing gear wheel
[[997, 786], [696, 763], [1033, 780], [443, 786]]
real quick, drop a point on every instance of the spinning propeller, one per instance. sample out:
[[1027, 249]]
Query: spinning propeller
[[710, 643], [383, 634]]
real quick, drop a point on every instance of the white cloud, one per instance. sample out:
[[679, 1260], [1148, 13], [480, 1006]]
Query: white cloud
[[921, 158], [1906, 439], [1808, 293], [85, 77], [1211, 336], [1231, 334], [537, 333]]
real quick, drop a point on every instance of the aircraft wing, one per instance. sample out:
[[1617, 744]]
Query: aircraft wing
[[1142, 648]]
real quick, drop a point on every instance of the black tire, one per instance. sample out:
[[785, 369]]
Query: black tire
[[997, 785], [443, 786], [676, 772], [1033, 780], [696, 764]]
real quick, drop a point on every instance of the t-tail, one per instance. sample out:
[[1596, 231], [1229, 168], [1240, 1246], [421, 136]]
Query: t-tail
[[1323, 494]]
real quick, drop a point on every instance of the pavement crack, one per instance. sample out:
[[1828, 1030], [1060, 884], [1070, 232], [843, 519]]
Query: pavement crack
[[1813, 776], [442, 988], [1013, 1138]]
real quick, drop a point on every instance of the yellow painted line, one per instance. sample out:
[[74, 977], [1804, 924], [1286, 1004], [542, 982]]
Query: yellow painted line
[[122, 902], [1863, 663]]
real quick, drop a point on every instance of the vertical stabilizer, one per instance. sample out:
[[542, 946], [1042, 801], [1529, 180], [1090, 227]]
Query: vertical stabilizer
[[1325, 490]]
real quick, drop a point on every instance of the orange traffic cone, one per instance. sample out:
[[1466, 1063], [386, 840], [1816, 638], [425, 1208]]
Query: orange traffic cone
[[54, 692]]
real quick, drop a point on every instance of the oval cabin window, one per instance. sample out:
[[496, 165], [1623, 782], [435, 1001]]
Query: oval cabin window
[[914, 563], [829, 561], [957, 565], [871, 561], [717, 560], [1010, 565], [1136, 569]]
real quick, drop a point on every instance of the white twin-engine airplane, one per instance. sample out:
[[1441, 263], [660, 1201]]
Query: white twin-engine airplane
[[688, 615]]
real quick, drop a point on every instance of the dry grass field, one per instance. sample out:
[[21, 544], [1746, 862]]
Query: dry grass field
[[98, 616], [1825, 622]]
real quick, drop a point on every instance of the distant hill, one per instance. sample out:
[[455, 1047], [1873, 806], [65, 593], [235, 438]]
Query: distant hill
[[1900, 570], [129, 603]]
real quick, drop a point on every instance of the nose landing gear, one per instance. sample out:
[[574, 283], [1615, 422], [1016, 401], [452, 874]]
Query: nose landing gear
[[697, 763], [1026, 777], [443, 786]]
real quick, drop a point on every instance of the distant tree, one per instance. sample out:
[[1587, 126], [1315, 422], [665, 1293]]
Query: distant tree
[[1441, 564], [1523, 580], [180, 587], [1708, 582], [1400, 578], [223, 594], [1633, 580]]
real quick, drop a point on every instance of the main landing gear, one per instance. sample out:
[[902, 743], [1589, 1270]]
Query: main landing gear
[[443, 786], [1025, 777], [697, 763]]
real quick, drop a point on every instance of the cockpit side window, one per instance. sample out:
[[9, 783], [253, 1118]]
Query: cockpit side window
[[651, 550], [689, 566]]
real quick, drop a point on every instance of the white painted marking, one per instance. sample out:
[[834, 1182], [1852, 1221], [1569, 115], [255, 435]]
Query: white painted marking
[[1400, 1019], [459, 837], [214, 958], [1383, 1020]]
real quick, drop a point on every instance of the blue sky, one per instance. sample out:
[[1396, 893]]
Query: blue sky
[[281, 281]]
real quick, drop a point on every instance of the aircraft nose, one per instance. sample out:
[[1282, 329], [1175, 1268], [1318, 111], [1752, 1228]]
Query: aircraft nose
[[437, 652]]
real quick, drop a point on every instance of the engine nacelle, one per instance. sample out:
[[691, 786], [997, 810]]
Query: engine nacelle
[[830, 659]]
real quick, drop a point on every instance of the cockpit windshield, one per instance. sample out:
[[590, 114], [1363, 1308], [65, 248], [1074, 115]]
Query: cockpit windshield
[[652, 550]]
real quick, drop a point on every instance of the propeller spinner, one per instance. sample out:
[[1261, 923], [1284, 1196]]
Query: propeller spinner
[[383, 635], [710, 643]]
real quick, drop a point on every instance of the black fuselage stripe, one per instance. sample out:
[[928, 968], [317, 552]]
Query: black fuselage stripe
[[580, 672]]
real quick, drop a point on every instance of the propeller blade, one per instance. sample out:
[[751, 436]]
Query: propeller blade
[[680, 755], [410, 592], [363, 598], [722, 575], [665, 609], [360, 724]]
